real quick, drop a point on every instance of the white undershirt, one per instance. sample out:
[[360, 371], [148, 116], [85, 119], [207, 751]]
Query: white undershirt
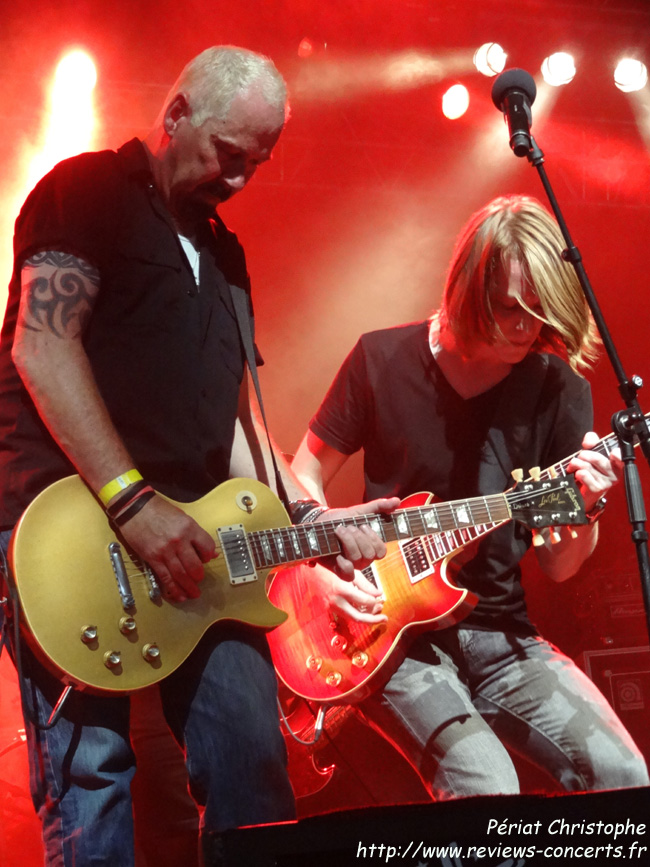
[[193, 255]]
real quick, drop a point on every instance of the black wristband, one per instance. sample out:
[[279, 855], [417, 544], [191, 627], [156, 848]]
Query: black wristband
[[300, 508], [124, 498], [134, 508]]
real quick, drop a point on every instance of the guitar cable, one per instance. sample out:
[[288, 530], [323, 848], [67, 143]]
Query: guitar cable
[[318, 725], [30, 713]]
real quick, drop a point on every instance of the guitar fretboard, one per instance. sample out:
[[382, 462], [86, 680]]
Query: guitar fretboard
[[285, 545], [446, 526]]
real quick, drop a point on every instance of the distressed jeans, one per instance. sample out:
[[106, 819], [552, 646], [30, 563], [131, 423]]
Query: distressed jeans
[[221, 706], [461, 696]]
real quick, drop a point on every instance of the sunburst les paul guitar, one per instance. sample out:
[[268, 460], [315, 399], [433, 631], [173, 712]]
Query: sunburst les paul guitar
[[324, 657], [96, 614]]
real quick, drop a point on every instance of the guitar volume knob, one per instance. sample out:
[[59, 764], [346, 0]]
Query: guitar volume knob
[[360, 659], [334, 678], [88, 634], [338, 642], [151, 652], [314, 663], [127, 624], [112, 659]]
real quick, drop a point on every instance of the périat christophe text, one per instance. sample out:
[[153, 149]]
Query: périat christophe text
[[583, 840]]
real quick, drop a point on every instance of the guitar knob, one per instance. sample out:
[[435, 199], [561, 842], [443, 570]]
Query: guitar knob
[[88, 634], [314, 663], [333, 678], [112, 659], [127, 625], [151, 652], [360, 659], [339, 643]]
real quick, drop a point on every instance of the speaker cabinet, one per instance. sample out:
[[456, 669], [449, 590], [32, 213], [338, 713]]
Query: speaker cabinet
[[623, 676]]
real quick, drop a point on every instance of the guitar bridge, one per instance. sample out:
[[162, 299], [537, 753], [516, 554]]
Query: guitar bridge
[[237, 554]]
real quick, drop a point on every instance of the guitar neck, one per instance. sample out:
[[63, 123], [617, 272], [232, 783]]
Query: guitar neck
[[466, 520], [605, 446], [284, 545]]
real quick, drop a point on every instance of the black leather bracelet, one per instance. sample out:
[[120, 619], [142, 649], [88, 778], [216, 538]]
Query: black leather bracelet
[[124, 498], [134, 508], [301, 508]]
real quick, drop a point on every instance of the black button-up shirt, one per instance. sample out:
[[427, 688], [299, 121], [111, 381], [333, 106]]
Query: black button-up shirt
[[166, 353]]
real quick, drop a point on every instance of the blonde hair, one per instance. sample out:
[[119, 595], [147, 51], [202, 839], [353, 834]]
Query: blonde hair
[[517, 228], [214, 77]]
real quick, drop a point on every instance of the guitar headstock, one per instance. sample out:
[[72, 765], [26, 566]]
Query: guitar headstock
[[547, 503]]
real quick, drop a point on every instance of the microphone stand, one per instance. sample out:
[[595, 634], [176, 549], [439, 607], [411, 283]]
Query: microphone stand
[[628, 423]]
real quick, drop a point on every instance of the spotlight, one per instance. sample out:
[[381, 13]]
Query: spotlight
[[490, 58], [76, 72], [455, 101], [70, 121], [558, 69], [630, 75]]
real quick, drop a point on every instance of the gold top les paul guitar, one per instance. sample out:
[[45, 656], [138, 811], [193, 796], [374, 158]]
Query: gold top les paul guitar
[[96, 616]]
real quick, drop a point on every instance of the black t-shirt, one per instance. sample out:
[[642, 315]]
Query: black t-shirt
[[166, 354], [417, 433]]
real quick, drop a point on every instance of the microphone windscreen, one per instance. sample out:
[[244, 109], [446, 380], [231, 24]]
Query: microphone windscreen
[[513, 79]]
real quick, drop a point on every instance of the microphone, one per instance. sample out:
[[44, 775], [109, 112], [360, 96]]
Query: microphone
[[513, 93]]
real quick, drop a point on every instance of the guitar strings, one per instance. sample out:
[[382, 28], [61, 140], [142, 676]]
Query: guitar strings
[[444, 540]]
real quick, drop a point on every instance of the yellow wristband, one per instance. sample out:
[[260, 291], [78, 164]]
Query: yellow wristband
[[119, 483]]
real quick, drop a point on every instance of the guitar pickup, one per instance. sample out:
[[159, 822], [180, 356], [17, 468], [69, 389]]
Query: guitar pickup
[[238, 556], [123, 585], [416, 560]]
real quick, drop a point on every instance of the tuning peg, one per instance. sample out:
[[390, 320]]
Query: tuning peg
[[517, 475], [552, 472], [555, 536], [573, 532], [535, 473], [538, 539]]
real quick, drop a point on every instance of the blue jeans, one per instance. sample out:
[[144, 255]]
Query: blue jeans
[[221, 706], [462, 694]]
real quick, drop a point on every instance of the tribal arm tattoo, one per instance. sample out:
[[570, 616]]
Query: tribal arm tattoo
[[59, 291]]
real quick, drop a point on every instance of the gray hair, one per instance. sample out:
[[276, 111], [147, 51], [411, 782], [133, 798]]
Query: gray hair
[[213, 78]]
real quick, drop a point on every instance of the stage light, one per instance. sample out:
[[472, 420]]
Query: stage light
[[558, 69], [75, 75], [630, 75], [455, 101], [72, 116], [490, 58], [306, 48], [70, 122]]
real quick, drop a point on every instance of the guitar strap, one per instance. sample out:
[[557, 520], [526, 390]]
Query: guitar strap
[[241, 305], [230, 292], [510, 427]]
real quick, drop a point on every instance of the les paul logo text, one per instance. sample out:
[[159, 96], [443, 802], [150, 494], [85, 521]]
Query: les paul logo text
[[554, 499]]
